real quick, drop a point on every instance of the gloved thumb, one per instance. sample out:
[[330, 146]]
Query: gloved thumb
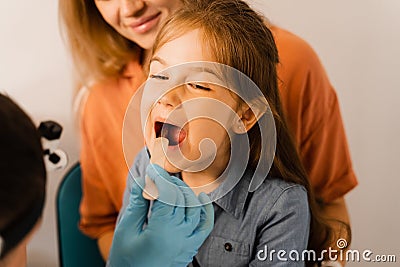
[[168, 191], [135, 214]]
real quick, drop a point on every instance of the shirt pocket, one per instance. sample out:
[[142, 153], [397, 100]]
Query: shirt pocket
[[227, 252]]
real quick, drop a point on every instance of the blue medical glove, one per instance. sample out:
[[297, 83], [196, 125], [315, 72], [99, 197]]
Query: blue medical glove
[[173, 234]]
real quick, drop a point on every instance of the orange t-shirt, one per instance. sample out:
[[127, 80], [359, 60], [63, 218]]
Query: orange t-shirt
[[104, 170], [308, 99], [313, 114]]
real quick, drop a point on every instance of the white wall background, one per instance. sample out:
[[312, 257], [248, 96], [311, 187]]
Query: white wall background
[[358, 42]]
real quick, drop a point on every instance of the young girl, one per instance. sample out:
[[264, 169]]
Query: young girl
[[109, 41], [280, 213]]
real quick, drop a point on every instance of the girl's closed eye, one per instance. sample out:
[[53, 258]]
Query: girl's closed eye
[[159, 77], [198, 86]]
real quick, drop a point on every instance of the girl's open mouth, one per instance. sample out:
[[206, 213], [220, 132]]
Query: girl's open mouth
[[173, 133]]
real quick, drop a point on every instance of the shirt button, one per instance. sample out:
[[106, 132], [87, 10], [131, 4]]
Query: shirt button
[[228, 247]]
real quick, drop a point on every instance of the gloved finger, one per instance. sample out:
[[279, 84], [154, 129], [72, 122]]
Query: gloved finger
[[135, 214], [192, 205], [169, 193], [190, 197], [206, 223], [207, 216]]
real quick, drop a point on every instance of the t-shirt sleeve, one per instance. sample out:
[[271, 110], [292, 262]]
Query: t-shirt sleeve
[[103, 166], [313, 114], [325, 154]]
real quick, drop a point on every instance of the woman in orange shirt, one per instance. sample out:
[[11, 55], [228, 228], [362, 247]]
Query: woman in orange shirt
[[109, 42]]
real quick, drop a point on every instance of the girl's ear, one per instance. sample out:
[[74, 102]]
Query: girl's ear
[[246, 121]]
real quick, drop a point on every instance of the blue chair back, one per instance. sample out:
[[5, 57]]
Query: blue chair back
[[75, 249]]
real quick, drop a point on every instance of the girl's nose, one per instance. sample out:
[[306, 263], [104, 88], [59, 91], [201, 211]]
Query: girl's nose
[[131, 8], [170, 99]]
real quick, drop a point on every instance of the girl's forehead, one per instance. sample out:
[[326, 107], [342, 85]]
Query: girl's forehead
[[186, 48]]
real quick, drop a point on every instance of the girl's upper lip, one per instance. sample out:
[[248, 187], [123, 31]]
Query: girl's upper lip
[[143, 20], [164, 120]]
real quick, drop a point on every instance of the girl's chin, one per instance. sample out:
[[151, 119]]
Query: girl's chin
[[170, 168]]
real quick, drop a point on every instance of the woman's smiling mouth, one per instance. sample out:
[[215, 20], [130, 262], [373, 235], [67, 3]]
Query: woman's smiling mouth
[[145, 24]]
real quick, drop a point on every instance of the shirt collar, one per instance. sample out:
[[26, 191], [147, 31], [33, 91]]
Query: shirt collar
[[234, 201]]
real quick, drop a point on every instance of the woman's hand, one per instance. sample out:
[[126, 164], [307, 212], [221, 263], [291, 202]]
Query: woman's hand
[[177, 227]]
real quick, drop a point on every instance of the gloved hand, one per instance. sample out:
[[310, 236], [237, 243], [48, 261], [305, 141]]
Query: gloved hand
[[173, 234]]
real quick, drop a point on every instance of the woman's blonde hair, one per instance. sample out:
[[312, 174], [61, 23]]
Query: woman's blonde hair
[[98, 51], [237, 36]]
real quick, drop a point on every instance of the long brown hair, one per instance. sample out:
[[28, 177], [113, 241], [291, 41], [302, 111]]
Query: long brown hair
[[237, 36], [98, 51]]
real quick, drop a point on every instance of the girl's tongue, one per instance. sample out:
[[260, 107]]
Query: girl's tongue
[[173, 133]]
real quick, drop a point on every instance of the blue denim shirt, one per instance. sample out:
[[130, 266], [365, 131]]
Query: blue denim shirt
[[251, 227]]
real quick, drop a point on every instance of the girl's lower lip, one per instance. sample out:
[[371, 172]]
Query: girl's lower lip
[[148, 25], [173, 148]]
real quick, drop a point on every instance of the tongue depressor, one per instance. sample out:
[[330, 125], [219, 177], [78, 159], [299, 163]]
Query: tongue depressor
[[150, 191]]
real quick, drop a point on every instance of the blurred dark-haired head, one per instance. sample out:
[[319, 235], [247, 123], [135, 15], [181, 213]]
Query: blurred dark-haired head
[[22, 173]]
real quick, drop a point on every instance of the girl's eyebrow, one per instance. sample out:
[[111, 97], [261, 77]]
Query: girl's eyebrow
[[156, 58]]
